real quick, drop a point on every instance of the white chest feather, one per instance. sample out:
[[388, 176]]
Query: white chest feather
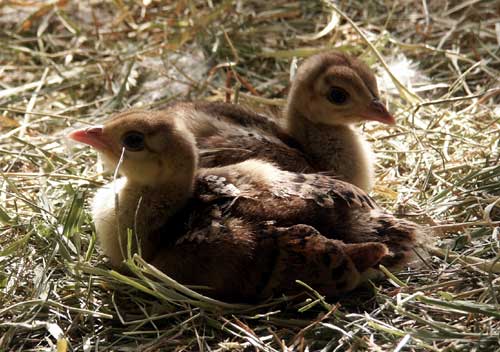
[[106, 220], [121, 206]]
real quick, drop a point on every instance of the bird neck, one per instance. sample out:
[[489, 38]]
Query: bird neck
[[125, 205], [143, 210], [334, 148], [150, 206]]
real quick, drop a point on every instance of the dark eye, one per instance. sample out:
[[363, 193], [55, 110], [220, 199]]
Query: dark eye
[[133, 141], [337, 95]]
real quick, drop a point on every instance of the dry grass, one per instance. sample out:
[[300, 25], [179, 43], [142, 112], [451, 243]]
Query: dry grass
[[67, 63]]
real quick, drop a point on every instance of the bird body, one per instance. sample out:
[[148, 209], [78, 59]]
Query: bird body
[[246, 230], [239, 235]]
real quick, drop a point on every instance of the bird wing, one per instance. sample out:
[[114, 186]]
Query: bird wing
[[325, 190], [228, 148], [337, 209], [227, 134], [272, 189]]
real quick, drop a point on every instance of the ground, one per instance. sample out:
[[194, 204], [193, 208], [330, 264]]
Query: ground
[[68, 64]]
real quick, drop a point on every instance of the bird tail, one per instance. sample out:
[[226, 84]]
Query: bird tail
[[330, 266], [406, 240]]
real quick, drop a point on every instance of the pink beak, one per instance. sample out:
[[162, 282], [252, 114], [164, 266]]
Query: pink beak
[[376, 111], [92, 136]]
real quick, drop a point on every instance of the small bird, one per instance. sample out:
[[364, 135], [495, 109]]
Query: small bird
[[331, 92], [248, 230]]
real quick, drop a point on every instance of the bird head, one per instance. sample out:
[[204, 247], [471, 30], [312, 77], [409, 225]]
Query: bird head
[[337, 89], [156, 147]]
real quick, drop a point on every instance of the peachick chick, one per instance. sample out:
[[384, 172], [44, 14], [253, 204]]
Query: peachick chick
[[331, 92]]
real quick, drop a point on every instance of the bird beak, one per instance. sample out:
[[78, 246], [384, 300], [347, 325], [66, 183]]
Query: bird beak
[[92, 136], [376, 111]]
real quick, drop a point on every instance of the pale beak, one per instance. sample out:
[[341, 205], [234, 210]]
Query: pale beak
[[92, 136], [376, 111]]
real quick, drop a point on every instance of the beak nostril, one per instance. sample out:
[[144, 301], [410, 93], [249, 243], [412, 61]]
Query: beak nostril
[[378, 106], [94, 130], [92, 136]]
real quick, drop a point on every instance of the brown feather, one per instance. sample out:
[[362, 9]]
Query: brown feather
[[233, 225]]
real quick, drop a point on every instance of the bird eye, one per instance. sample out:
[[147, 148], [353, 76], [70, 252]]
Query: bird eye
[[133, 141], [337, 95]]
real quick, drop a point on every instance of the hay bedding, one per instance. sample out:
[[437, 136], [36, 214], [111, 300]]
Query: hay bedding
[[67, 64]]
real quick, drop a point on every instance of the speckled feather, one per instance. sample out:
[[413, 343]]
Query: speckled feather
[[250, 230]]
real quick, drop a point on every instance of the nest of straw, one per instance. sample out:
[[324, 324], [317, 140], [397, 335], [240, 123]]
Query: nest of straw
[[66, 64]]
